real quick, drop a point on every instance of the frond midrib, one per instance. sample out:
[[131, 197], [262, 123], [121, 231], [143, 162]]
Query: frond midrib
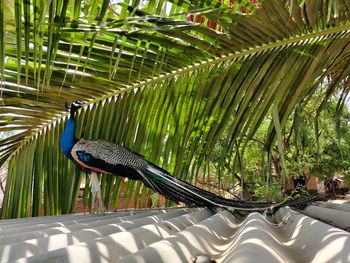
[[228, 57], [344, 28]]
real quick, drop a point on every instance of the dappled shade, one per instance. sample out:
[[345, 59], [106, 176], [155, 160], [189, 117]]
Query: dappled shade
[[154, 81], [175, 235]]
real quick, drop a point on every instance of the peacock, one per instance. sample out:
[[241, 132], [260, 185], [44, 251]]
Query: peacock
[[98, 156]]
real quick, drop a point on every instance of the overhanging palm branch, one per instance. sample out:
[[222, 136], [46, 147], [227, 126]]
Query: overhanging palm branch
[[154, 81]]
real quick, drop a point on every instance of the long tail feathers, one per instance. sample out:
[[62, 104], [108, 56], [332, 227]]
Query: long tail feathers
[[179, 191]]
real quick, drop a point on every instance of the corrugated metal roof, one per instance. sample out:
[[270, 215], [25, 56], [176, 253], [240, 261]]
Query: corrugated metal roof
[[175, 235]]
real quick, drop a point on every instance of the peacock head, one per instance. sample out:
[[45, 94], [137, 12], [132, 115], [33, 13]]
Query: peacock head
[[76, 105]]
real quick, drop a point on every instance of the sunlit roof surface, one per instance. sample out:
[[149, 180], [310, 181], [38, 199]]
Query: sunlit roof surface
[[176, 235]]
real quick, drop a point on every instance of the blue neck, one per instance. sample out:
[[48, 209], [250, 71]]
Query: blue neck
[[68, 137]]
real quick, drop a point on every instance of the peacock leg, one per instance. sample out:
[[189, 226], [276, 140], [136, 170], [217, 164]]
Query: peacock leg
[[91, 208], [96, 190]]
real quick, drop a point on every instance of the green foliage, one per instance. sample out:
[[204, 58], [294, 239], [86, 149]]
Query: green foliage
[[161, 84], [270, 192], [334, 159], [331, 155]]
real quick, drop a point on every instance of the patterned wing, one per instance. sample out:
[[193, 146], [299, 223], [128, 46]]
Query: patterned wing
[[106, 157]]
